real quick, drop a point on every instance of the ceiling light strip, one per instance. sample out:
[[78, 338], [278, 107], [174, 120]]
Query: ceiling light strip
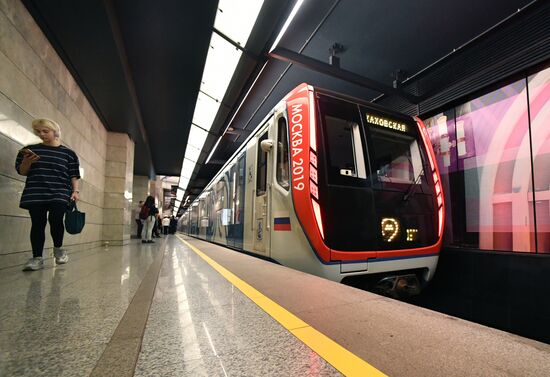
[[231, 41], [287, 23], [196, 125], [235, 114], [233, 27]]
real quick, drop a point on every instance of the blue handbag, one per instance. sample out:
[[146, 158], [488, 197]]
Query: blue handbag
[[74, 219]]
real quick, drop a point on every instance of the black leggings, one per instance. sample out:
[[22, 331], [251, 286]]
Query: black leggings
[[55, 218]]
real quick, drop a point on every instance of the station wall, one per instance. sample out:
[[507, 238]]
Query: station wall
[[493, 152], [34, 83]]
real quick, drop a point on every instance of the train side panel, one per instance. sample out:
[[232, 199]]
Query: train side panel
[[289, 245]]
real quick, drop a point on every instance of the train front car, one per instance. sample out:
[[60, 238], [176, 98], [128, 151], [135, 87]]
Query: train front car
[[366, 190]]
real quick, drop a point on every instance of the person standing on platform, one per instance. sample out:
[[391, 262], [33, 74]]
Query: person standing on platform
[[150, 218], [158, 226], [52, 172], [165, 224], [173, 224], [139, 222]]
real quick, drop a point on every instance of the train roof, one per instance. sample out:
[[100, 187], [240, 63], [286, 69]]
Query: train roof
[[298, 88], [361, 102]]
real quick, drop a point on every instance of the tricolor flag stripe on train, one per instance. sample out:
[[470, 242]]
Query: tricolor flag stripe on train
[[281, 223]]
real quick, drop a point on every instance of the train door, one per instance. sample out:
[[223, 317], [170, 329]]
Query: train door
[[283, 242], [203, 218], [262, 196], [238, 201], [231, 176]]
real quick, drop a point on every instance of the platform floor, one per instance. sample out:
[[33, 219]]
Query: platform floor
[[183, 307]]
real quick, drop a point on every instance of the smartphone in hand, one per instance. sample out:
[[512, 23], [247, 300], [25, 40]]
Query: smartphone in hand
[[28, 153]]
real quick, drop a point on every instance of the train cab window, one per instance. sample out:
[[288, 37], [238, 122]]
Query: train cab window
[[345, 150], [396, 159], [282, 154], [261, 173]]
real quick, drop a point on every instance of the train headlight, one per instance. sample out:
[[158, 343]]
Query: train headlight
[[390, 228]]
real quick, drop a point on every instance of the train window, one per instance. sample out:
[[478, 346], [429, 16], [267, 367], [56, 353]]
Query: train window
[[222, 202], [239, 195], [282, 154], [345, 156], [261, 173], [203, 204], [211, 202], [396, 159], [195, 218], [346, 162], [233, 186]]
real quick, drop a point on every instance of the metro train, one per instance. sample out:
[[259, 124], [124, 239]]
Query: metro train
[[332, 186]]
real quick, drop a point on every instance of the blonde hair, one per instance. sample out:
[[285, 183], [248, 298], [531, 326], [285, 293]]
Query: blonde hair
[[48, 123]]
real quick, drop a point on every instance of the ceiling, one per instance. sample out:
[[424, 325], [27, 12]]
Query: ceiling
[[140, 62]]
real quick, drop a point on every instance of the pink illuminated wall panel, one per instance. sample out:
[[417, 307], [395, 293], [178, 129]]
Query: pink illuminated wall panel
[[483, 149], [539, 106], [497, 169]]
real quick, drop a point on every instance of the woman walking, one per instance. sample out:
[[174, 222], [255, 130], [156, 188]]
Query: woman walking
[[52, 172], [149, 219]]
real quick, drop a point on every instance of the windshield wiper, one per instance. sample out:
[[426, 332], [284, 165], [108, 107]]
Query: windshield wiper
[[412, 188]]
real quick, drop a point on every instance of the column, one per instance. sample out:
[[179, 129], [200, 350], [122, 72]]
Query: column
[[119, 177]]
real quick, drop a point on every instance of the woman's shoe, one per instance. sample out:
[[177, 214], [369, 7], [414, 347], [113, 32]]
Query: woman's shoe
[[34, 264], [144, 241], [60, 255]]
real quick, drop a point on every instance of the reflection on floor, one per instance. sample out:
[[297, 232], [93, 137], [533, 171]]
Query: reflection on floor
[[60, 320]]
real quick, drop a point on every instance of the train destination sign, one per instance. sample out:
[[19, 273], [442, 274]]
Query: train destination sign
[[384, 122]]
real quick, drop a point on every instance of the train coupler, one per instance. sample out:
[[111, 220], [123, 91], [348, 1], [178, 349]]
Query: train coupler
[[398, 286]]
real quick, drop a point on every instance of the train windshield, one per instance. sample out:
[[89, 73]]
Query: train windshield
[[361, 153], [396, 160], [376, 168]]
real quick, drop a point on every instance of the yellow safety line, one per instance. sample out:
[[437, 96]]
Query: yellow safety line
[[340, 358]]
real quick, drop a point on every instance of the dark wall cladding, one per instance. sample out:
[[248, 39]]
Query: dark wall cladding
[[507, 291], [514, 46], [400, 105]]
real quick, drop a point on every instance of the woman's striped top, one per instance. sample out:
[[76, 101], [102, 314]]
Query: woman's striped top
[[49, 178]]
